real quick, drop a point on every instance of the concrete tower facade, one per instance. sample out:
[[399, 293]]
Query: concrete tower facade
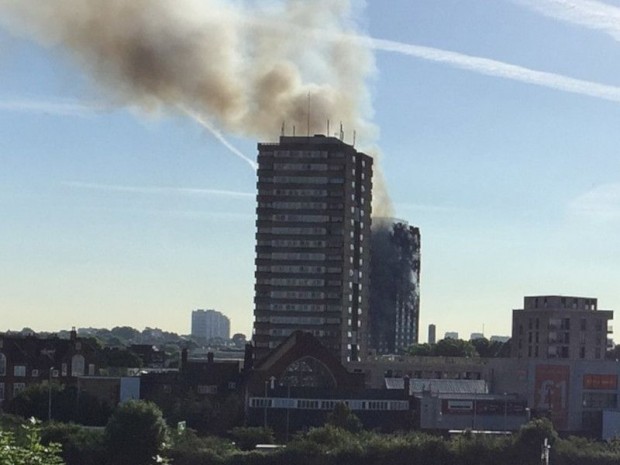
[[312, 244], [209, 324]]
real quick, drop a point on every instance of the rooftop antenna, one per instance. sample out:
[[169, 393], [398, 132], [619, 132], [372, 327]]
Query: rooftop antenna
[[308, 114], [282, 131], [341, 131], [328, 127], [293, 131], [354, 137]]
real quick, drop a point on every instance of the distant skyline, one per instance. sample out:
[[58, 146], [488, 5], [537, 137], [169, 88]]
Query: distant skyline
[[497, 122]]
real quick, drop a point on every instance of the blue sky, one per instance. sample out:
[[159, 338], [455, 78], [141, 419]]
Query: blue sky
[[498, 122]]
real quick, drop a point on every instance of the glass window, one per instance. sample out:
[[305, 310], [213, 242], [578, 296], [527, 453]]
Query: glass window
[[77, 365], [18, 387], [19, 370], [2, 364]]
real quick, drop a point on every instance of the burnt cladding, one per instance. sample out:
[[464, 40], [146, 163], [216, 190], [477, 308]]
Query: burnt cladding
[[394, 285]]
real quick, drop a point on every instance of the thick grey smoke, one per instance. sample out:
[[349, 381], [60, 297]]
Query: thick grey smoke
[[245, 68]]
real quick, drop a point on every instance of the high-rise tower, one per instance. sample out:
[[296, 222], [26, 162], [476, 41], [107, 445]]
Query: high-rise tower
[[312, 244], [394, 286], [208, 324]]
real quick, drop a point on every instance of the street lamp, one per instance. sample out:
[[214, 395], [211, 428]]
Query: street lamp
[[49, 394], [505, 410], [288, 407], [265, 401], [544, 456]]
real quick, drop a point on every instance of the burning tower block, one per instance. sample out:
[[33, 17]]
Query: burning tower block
[[394, 286]]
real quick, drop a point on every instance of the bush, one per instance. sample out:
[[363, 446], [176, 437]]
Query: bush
[[79, 445], [342, 417], [247, 438], [189, 449], [135, 434], [28, 452], [530, 438]]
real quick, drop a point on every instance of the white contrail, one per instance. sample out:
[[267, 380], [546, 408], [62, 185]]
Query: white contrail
[[497, 68], [57, 108], [588, 13], [218, 135], [157, 190], [601, 203]]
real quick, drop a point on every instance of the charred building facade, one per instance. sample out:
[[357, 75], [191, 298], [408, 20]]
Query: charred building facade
[[313, 244], [394, 286]]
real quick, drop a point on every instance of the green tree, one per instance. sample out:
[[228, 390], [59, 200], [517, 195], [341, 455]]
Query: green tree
[[30, 452], [530, 438], [66, 405], [126, 334], [342, 417], [118, 357], [135, 434], [488, 349], [80, 446], [454, 348], [421, 350]]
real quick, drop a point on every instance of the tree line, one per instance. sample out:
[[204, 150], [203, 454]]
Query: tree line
[[137, 434]]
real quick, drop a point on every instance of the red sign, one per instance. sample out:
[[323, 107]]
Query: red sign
[[551, 392], [603, 382]]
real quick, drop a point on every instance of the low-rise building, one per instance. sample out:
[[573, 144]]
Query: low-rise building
[[559, 327], [27, 360]]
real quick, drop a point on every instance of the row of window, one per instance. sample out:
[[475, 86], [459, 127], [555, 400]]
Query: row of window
[[294, 282], [296, 320], [302, 180], [311, 154], [17, 388], [560, 352], [297, 192], [290, 307], [299, 256], [294, 256], [305, 269], [304, 295], [301, 205], [328, 404], [305, 167], [303, 218], [562, 324], [588, 304], [292, 231], [77, 367], [293, 243]]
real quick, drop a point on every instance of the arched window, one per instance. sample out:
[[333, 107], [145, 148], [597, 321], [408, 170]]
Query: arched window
[[308, 372], [77, 365], [2, 365]]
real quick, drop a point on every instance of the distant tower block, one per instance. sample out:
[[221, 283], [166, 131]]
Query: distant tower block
[[209, 324], [432, 334]]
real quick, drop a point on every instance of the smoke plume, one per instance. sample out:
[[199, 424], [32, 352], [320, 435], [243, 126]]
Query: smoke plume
[[239, 67]]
